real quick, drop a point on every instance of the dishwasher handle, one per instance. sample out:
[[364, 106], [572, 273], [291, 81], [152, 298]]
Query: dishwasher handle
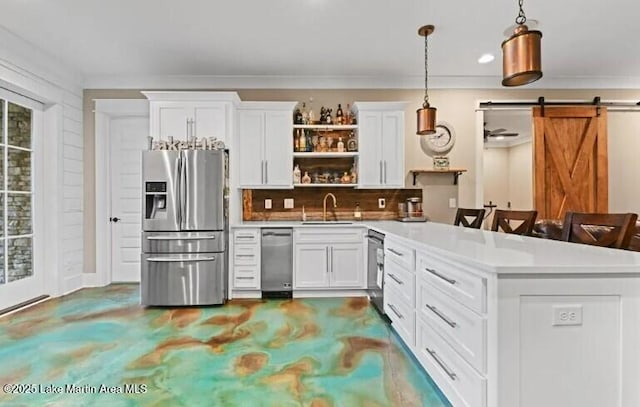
[[277, 234]]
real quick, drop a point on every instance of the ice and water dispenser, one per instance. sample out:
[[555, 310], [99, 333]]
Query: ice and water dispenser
[[155, 206]]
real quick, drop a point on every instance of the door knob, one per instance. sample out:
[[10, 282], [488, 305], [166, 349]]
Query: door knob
[[114, 220]]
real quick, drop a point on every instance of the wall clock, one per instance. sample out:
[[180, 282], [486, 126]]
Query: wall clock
[[442, 141]]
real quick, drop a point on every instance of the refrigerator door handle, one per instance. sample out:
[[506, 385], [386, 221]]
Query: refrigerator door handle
[[177, 197], [183, 191], [208, 237], [266, 171], [179, 260]]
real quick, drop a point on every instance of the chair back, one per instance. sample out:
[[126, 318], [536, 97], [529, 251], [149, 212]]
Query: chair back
[[599, 229], [469, 218], [504, 220]]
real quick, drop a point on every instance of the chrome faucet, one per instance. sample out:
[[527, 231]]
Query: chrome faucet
[[324, 205]]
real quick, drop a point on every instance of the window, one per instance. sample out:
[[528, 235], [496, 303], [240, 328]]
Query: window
[[16, 192]]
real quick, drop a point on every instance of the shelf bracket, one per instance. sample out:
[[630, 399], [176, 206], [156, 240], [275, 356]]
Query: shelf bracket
[[456, 174], [415, 174]]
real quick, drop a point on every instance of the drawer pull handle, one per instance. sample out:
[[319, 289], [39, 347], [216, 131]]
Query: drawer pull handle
[[245, 255], [442, 316], [245, 237], [245, 278], [395, 311], [394, 278], [444, 367], [435, 273], [396, 252]]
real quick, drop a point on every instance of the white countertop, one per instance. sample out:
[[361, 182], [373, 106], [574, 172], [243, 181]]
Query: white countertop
[[498, 252]]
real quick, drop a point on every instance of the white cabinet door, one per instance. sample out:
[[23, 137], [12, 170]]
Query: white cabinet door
[[249, 152], [347, 265], [210, 120], [170, 119], [393, 149], [278, 149], [370, 145], [311, 268]]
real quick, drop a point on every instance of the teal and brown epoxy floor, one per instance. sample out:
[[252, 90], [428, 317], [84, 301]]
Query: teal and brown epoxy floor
[[273, 353]]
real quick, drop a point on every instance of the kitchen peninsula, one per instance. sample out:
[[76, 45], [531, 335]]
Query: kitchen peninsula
[[490, 315]]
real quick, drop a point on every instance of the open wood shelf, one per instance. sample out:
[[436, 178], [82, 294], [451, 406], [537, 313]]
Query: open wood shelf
[[328, 127], [327, 185], [455, 171], [326, 155]]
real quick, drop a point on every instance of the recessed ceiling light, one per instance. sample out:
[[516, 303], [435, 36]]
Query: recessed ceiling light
[[486, 58], [499, 137]]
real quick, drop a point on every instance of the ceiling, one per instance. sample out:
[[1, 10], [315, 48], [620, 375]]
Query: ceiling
[[514, 121], [369, 42]]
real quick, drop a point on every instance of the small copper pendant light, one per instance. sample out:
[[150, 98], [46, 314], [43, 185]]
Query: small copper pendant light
[[427, 114], [521, 55]]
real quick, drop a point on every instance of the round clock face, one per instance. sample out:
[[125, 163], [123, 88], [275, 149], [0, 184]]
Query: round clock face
[[443, 139]]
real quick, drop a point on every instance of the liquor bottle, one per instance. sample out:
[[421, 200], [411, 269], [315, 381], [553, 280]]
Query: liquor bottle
[[340, 145], [296, 142], [308, 141], [305, 114], [297, 177], [302, 141], [347, 117], [328, 118], [339, 115], [297, 117]]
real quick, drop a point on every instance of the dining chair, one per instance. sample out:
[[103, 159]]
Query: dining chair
[[502, 220], [599, 229], [469, 218]]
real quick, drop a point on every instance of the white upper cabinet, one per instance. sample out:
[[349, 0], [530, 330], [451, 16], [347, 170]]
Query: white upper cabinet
[[183, 115], [265, 150], [381, 134]]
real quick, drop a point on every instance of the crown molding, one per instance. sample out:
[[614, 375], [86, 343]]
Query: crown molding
[[168, 82]]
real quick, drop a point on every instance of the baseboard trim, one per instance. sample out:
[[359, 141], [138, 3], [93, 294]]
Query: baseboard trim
[[328, 293], [92, 280], [22, 305], [71, 284]]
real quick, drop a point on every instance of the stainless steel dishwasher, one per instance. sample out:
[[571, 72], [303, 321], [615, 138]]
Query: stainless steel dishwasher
[[276, 262]]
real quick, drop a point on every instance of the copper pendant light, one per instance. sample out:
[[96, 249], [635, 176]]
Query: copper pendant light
[[426, 115], [521, 55]]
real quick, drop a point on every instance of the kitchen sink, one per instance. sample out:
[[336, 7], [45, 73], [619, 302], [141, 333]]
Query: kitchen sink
[[328, 222]]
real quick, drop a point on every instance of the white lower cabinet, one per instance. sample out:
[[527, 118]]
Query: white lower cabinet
[[329, 258], [459, 381], [245, 259], [402, 316], [311, 266]]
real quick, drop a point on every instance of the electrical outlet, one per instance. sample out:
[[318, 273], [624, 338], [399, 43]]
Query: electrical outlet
[[267, 204], [288, 203], [567, 315], [382, 203], [452, 203]]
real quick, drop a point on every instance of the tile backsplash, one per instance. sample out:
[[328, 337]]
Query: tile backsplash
[[312, 198]]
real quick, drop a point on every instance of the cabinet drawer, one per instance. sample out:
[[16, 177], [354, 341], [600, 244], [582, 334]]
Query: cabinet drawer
[[245, 255], [329, 235], [463, 329], [241, 236], [246, 278], [454, 280], [402, 281], [402, 316], [462, 385], [400, 254]]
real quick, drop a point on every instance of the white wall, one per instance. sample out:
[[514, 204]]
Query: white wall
[[34, 73], [521, 176], [496, 176], [624, 162]]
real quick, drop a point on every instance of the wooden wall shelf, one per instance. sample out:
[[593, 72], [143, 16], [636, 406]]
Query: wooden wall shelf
[[455, 171]]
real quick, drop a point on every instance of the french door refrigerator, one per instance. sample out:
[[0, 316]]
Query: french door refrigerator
[[184, 228]]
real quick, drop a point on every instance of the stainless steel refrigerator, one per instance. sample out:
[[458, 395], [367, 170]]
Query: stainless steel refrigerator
[[184, 228]]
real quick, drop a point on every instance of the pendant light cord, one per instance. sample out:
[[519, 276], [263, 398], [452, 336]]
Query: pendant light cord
[[426, 71], [521, 19]]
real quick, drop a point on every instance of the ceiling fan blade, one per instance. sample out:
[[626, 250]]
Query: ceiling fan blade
[[504, 135]]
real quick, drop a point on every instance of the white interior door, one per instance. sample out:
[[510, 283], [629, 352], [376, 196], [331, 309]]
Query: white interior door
[[21, 202], [128, 138]]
